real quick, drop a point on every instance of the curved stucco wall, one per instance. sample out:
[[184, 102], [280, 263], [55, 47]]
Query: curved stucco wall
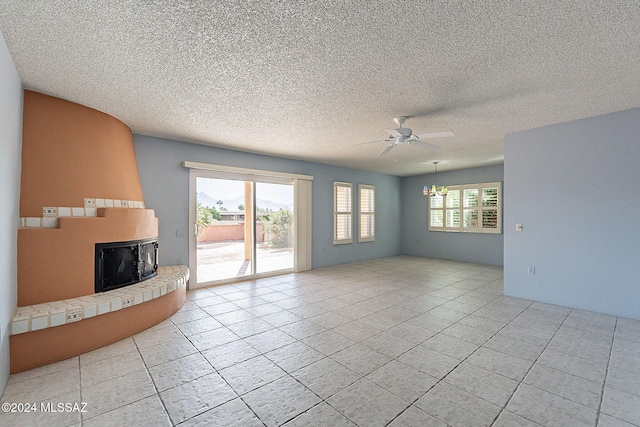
[[71, 152]]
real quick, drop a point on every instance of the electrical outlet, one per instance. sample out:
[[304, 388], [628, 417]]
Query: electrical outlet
[[74, 315], [180, 233], [532, 270], [179, 261]]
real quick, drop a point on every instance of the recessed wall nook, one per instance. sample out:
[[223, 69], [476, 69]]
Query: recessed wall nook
[[80, 188]]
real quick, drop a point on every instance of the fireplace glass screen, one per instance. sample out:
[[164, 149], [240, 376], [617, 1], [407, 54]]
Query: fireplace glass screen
[[121, 264]]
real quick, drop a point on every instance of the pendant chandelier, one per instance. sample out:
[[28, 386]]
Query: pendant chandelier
[[434, 189]]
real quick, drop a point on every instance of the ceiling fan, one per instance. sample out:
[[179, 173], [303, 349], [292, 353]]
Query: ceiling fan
[[403, 135]]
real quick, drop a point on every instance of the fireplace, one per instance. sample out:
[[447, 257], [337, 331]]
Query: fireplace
[[84, 233], [120, 264]]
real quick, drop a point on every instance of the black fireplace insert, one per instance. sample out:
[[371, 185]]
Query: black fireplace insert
[[121, 264]]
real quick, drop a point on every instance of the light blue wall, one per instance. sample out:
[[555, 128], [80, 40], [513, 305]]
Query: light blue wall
[[11, 148], [467, 247], [575, 188], [165, 185]]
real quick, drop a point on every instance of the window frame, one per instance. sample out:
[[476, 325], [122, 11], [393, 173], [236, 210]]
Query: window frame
[[462, 209], [336, 213], [370, 214]]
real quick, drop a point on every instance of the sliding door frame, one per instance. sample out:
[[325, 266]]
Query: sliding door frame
[[302, 187]]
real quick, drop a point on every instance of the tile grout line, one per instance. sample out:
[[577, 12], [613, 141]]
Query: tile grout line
[[82, 420], [155, 387], [606, 375]]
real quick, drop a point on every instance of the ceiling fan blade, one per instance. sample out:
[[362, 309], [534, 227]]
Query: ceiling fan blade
[[442, 134], [393, 132], [386, 150], [421, 144]]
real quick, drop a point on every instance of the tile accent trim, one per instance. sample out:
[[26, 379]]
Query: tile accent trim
[[50, 214], [56, 313]]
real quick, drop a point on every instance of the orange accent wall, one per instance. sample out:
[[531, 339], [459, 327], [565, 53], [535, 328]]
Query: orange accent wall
[[38, 348], [70, 152]]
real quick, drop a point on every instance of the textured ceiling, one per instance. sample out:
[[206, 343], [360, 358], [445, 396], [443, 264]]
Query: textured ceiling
[[308, 79]]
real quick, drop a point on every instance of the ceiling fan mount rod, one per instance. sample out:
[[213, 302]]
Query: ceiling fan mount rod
[[400, 120]]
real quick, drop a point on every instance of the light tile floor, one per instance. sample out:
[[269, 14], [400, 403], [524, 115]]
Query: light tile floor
[[400, 341]]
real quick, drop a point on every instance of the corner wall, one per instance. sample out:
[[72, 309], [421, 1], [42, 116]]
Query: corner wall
[[466, 247], [165, 184], [10, 146], [574, 188]]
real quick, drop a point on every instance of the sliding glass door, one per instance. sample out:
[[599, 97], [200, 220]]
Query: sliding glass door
[[274, 227], [223, 229], [244, 227]]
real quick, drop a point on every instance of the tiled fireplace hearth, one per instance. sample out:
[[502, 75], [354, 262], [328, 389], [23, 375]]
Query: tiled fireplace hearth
[[56, 313], [80, 189]]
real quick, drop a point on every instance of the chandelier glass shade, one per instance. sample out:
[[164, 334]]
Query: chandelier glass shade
[[433, 190]]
